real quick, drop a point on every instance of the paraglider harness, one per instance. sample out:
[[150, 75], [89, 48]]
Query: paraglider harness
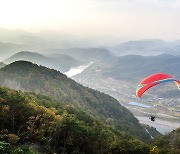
[[152, 118]]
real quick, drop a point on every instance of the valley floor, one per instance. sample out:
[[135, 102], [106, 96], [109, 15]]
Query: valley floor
[[163, 126]]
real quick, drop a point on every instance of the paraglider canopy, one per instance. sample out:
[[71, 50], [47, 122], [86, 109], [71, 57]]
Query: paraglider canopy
[[154, 80]]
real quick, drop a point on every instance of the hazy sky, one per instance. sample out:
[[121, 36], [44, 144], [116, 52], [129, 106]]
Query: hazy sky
[[121, 18]]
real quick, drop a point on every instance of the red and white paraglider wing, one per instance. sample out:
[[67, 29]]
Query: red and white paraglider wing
[[154, 80]]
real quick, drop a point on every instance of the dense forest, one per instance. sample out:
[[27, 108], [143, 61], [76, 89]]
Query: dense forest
[[22, 75], [169, 143], [31, 122]]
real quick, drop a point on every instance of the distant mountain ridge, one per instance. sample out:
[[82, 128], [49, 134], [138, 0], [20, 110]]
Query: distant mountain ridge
[[146, 47], [7, 49], [85, 54], [48, 39], [59, 62], [135, 67]]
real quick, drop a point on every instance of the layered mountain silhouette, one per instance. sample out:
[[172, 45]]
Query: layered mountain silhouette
[[59, 61], [146, 47], [84, 54]]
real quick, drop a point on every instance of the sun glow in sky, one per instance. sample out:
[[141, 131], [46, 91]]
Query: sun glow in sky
[[122, 18]]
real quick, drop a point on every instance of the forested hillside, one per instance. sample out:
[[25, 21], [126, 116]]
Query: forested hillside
[[169, 143], [30, 77], [33, 123]]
